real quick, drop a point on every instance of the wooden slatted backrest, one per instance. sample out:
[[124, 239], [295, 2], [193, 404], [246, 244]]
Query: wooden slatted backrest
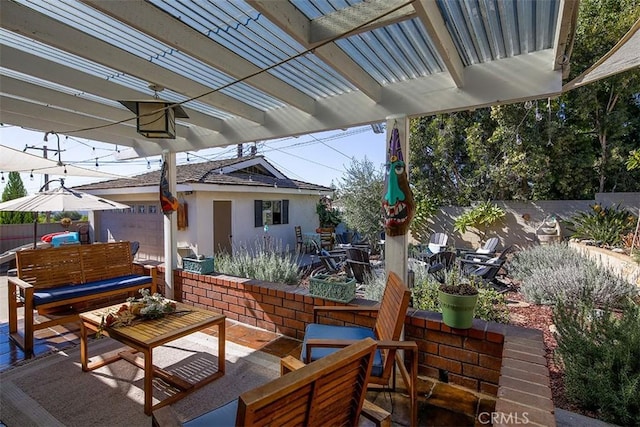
[[299, 238], [74, 264], [391, 315], [326, 239], [105, 260], [329, 391], [50, 267]]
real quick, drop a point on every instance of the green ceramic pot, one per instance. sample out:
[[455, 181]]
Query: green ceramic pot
[[457, 310]]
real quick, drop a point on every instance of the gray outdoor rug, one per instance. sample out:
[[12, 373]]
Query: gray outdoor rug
[[52, 390]]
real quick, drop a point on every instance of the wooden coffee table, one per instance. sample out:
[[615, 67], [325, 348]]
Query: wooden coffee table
[[145, 335]]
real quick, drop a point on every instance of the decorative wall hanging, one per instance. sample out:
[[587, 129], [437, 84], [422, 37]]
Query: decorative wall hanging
[[398, 204], [168, 203]]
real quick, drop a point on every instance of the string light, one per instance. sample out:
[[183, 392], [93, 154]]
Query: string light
[[65, 170], [538, 113], [97, 165], [2, 177], [148, 164], [188, 160], [518, 139], [31, 176]]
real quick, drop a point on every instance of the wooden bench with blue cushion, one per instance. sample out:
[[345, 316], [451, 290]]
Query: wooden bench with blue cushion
[[48, 279]]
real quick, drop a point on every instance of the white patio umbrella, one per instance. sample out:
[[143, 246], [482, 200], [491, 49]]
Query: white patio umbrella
[[58, 200]]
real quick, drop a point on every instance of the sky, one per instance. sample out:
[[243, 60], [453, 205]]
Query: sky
[[319, 158]]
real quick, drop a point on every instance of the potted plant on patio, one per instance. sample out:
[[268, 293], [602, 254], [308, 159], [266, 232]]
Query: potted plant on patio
[[457, 298]]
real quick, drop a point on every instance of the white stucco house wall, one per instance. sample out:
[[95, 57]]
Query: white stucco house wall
[[224, 204]]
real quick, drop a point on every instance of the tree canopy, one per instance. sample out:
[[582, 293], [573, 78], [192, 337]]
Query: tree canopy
[[359, 193], [569, 147]]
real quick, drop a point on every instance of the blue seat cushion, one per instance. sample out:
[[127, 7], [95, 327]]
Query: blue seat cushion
[[317, 331], [48, 295], [223, 416]]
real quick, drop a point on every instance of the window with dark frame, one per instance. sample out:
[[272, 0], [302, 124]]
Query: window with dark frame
[[270, 212]]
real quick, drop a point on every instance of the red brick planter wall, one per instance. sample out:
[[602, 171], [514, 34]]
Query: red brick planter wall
[[502, 360]]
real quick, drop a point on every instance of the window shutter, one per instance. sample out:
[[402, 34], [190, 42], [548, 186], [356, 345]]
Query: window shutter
[[285, 212], [257, 213]]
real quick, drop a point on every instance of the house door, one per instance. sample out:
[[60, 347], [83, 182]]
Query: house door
[[222, 227]]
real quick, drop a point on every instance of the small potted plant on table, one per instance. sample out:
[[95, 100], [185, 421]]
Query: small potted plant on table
[[457, 298]]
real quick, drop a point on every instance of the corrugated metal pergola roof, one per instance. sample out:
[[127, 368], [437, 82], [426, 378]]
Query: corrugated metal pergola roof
[[258, 69]]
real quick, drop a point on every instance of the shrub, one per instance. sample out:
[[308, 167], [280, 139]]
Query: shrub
[[491, 305], [262, 262], [606, 225], [600, 353], [479, 217], [556, 272], [374, 288]]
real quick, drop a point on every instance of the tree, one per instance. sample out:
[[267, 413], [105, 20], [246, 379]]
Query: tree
[[14, 190], [606, 111], [359, 193], [569, 147]]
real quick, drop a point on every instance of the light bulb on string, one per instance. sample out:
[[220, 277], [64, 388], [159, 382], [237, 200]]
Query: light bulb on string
[[65, 170], [97, 165], [31, 176], [2, 177], [148, 164], [538, 114], [188, 160], [518, 139]]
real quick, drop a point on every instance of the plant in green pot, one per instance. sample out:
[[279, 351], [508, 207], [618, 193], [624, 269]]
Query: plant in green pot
[[457, 298]]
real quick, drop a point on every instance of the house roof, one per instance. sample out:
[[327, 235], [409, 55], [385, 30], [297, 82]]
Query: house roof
[[255, 70], [254, 171]]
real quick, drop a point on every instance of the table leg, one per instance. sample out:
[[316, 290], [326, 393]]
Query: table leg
[[148, 381], [84, 356], [221, 345]]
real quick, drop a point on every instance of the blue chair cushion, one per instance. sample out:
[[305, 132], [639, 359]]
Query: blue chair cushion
[[223, 416], [317, 331], [47, 295]]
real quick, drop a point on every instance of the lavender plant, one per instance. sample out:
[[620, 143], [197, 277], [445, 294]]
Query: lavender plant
[[263, 261], [556, 272]]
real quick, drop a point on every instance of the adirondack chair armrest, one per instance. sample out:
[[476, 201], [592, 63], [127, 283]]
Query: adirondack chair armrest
[[353, 261], [290, 363], [343, 309], [485, 264], [481, 257]]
